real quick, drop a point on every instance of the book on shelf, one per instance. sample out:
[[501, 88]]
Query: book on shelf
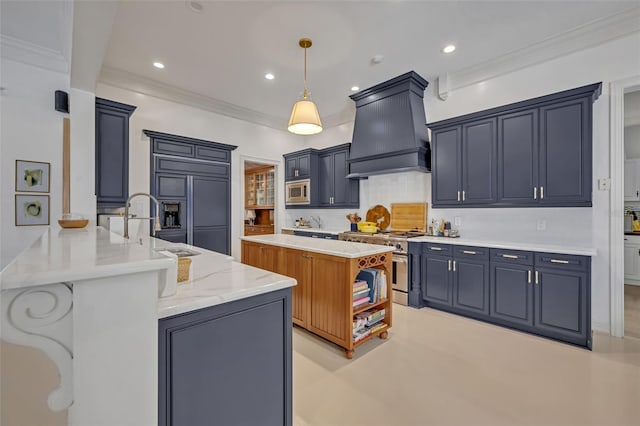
[[361, 301], [361, 293], [358, 324], [360, 334], [376, 281], [372, 316], [360, 285], [377, 327]]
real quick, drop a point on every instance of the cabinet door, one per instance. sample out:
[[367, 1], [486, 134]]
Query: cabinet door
[[511, 293], [346, 192], [112, 157], [171, 186], [518, 157], [436, 281], [632, 261], [631, 180], [210, 216], [479, 168], [296, 264], [260, 256], [173, 236], [291, 165], [446, 166], [326, 179], [565, 153], [561, 304], [304, 166], [471, 286]]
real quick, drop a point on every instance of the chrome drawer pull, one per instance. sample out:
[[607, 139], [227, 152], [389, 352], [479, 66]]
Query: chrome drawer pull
[[458, 195], [559, 261], [454, 266], [469, 252], [436, 248], [535, 192], [449, 263], [541, 192], [529, 276], [537, 278], [510, 256]]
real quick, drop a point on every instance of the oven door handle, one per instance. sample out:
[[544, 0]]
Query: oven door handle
[[399, 259]]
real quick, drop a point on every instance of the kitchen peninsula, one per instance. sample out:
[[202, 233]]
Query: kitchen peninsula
[[101, 307], [326, 270]]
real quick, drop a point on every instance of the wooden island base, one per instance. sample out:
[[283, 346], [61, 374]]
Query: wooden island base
[[322, 301]]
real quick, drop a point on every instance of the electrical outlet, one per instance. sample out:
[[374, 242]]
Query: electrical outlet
[[457, 221], [604, 184], [541, 225]]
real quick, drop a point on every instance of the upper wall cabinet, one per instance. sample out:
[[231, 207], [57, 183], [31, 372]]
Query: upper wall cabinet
[[298, 164], [112, 152], [531, 153]]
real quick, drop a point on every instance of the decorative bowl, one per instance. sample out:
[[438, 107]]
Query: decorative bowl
[[70, 220]]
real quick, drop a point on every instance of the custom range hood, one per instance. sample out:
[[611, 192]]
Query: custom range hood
[[390, 134]]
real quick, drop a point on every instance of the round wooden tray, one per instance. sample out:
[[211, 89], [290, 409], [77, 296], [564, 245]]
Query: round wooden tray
[[380, 215], [73, 223]]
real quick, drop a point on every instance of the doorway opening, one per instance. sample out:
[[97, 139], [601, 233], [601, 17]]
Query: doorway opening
[[631, 141], [259, 201]]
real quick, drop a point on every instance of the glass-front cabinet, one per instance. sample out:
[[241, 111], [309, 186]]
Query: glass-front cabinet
[[259, 200]]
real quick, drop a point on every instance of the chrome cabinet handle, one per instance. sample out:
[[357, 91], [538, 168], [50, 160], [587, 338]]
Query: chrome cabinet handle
[[469, 252], [454, 266], [449, 263], [537, 278], [510, 256], [541, 192], [458, 195], [535, 192], [559, 261], [463, 195], [529, 276], [435, 248]]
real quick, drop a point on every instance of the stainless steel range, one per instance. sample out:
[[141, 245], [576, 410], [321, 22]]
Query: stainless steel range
[[399, 277]]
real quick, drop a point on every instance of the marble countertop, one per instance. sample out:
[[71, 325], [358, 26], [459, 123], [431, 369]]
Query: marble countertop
[[331, 247], [67, 255], [318, 230], [215, 279], [541, 247]]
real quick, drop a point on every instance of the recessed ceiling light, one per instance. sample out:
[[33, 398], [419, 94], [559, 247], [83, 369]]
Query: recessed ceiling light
[[195, 6], [158, 65], [448, 49], [269, 76], [355, 88]]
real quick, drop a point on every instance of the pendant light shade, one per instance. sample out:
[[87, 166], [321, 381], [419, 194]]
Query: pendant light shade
[[305, 119]]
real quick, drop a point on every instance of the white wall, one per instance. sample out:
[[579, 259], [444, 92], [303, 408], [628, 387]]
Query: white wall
[[30, 130], [632, 142], [83, 112], [253, 141]]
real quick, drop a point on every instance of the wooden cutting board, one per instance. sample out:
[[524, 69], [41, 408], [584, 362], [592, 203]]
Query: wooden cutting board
[[409, 217]]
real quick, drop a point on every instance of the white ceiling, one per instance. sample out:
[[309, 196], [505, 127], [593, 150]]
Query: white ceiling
[[217, 59]]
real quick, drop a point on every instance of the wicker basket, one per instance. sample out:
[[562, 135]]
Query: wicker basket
[[183, 269]]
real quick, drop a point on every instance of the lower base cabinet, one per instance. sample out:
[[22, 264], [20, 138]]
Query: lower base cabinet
[[542, 293], [229, 364]]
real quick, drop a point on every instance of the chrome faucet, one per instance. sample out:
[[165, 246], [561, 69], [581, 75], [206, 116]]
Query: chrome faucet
[[317, 220], [156, 219]]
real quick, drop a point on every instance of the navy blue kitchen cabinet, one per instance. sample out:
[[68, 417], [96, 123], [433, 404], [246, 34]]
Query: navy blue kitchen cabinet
[[112, 152], [196, 176], [335, 190], [228, 364], [298, 165], [543, 158], [321, 235], [464, 164], [328, 170], [437, 281], [541, 293], [512, 287], [471, 279]]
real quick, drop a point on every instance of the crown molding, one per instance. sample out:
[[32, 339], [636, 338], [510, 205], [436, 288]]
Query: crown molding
[[579, 38], [137, 83], [31, 54]]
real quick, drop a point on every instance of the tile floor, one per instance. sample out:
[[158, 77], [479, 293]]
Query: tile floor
[[441, 369]]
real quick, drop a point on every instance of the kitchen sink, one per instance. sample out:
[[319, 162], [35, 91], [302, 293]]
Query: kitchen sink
[[179, 251]]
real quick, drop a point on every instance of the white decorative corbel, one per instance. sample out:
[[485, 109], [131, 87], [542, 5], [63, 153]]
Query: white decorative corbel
[[40, 317], [443, 87]]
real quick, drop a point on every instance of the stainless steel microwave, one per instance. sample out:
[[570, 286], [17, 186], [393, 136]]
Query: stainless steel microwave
[[298, 192]]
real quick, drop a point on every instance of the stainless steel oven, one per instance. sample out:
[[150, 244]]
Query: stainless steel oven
[[400, 279], [298, 192]]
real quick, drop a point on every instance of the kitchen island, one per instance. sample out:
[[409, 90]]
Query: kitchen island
[[90, 300], [325, 270]]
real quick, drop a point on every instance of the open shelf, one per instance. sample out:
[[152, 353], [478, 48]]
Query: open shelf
[[372, 335], [370, 306]]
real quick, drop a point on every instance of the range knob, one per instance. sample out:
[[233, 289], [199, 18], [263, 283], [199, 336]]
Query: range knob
[[399, 246]]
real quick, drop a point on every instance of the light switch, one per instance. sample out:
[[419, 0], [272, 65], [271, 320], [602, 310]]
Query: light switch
[[541, 225], [604, 184], [457, 221]]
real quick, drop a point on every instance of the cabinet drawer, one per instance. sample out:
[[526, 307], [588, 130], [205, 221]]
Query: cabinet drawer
[[207, 153], [174, 165], [562, 261], [512, 256], [471, 252], [435, 249]]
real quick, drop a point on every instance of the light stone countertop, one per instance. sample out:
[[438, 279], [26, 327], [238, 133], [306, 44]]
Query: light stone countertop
[[330, 247], [216, 278], [67, 255], [539, 247], [318, 230]]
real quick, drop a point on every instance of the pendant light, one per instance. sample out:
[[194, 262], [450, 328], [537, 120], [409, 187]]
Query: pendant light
[[305, 119]]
